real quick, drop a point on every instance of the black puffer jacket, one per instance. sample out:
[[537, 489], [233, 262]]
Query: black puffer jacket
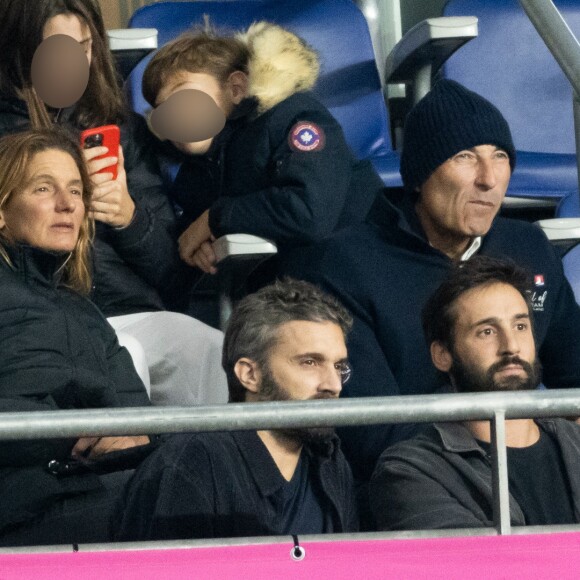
[[281, 169], [134, 264], [254, 181], [56, 352]]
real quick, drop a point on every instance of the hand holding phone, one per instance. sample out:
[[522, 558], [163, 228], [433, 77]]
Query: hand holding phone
[[106, 136], [111, 202]]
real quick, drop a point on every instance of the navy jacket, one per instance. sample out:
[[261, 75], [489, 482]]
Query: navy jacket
[[132, 266], [217, 485], [56, 352], [442, 479], [255, 181], [383, 271]]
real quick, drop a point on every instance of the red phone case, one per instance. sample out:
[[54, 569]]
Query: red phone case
[[107, 136]]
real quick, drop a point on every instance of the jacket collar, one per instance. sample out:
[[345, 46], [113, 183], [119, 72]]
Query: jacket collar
[[264, 470], [36, 265], [394, 213], [457, 438]]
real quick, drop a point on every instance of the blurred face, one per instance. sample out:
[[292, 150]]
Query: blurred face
[[462, 197], [48, 211], [225, 98], [493, 347], [70, 25]]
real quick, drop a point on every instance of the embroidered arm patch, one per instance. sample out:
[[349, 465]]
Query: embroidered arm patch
[[305, 136]]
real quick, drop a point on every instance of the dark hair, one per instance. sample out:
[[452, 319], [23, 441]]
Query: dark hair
[[21, 32], [16, 152], [439, 316], [200, 51], [252, 330]]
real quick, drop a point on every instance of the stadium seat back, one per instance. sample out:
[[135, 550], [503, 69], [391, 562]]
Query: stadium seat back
[[509, 64], [571, 262]]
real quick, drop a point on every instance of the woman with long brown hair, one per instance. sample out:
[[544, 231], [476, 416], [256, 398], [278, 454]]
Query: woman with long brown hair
[[56, 349], [135, 256]]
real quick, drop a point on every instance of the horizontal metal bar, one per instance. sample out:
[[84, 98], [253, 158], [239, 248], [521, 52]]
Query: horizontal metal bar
[[240, 416], [304, 540]]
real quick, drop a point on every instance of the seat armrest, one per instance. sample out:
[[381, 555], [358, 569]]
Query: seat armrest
[[243, 247], [425, 48], [561, 228], [238, 256]]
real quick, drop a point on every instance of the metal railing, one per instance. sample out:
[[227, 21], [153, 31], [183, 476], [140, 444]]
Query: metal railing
[[565, 48], [495, 407]]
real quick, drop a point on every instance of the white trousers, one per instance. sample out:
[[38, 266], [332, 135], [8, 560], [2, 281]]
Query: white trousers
[[183, 356]]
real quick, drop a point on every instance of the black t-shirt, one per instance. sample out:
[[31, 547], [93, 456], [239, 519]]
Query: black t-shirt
[[539, 483], [302, 512]]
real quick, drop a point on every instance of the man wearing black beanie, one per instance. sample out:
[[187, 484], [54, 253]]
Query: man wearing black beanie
[[456, 164]]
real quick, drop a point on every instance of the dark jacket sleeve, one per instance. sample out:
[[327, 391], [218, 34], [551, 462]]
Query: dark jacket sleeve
[[148, 244], [412, 496], [166, 499], [308, 189]]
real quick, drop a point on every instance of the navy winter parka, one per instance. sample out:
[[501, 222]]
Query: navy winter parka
[[56, 352], [254, 181]]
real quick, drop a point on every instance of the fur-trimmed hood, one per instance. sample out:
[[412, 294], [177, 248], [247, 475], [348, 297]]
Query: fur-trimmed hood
[[281, 64]]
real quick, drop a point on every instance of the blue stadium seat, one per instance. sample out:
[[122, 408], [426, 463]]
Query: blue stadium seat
[[569, 206], [571, 262], [349, 83], [509, 64]]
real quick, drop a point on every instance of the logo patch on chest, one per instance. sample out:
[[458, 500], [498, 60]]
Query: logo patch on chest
[[306, 136], [538, 300]]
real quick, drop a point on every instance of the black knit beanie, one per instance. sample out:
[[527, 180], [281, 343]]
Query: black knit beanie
[[447, 120]]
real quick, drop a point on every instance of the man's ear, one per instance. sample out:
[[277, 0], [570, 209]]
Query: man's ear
[[238, 85], [2, 222], [441, 356], [248, 373]]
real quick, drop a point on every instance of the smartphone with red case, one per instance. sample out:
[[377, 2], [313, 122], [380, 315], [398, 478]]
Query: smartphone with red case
[[107, 136]]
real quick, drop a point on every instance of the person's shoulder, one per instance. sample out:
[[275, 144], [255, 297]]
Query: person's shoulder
[[191, 443], [559, 425], [428, 442], [517, 229], [13, 115], [521, 241], [300, 107], [183, 450], [184, 456], [334, 255], [302, 100]]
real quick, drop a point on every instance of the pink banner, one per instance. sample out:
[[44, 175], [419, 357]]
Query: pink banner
[[534, 556]]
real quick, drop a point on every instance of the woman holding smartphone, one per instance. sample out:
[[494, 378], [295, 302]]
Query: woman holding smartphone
[[135, 255]]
